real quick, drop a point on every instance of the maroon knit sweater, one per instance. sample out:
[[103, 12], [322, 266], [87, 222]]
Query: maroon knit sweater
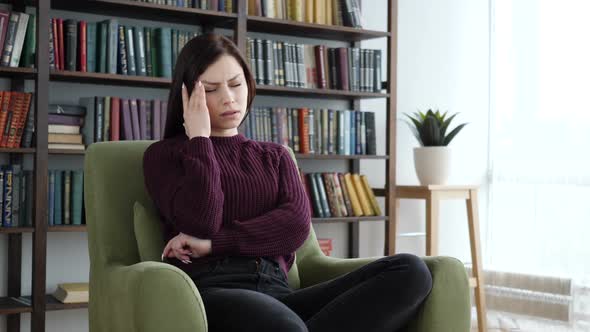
[[246, 196]]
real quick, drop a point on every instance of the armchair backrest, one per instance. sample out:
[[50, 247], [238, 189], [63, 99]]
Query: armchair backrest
[[114, 181]]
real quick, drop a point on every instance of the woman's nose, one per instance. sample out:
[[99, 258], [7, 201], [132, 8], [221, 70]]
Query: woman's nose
[[227, 97]]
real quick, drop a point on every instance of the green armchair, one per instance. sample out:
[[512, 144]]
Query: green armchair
[[131, 290]]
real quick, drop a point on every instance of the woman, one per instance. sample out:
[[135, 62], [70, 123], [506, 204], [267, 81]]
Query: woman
[[235, 212]]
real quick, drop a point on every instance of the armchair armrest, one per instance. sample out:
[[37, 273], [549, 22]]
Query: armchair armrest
[[155, 296], [446, 309]]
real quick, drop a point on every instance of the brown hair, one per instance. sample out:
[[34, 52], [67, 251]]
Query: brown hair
[[196, 56]]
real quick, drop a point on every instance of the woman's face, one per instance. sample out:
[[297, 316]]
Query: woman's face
[[227, 95]]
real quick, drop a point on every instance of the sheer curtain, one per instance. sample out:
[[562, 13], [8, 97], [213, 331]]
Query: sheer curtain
[[539, 215]]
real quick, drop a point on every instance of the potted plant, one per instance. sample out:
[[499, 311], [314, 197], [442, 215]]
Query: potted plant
[[432, 160]]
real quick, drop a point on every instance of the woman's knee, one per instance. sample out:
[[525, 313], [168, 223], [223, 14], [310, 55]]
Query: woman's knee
[[418, 275], [286, 323]]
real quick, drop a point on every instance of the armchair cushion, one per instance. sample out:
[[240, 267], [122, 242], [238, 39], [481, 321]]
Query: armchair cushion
[[148, 233]]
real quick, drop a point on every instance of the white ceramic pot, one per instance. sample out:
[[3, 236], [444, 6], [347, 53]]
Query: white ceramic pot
[[432, 164]]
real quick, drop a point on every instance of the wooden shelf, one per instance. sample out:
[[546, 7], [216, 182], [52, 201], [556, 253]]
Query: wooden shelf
[[310, 30], [161, 82], [18, 72], [337, 156], [16, 230], [315, 93], [51, 304], [67, 228], [109, 79], [18, 150], [10, 305], [348, 219], [149, 11]]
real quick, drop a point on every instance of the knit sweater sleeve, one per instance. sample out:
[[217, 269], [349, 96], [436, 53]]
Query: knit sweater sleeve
[[280, 231], [186, 190]]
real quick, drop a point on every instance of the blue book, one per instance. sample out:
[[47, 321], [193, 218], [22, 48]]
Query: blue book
[[58, 199], [51, 198], [7, 204], [353, 132], [2, 195], [77, 196]]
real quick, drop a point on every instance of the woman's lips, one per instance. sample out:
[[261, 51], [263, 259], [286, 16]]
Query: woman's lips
[[230, 113]]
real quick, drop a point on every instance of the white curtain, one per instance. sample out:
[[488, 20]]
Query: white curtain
[[539, 215]]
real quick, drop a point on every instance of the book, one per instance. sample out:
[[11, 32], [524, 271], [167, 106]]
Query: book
[[72, 292], [371, 195], [362, 195]]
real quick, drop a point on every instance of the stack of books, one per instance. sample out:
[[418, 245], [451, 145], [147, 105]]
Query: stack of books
[[65, 125], [17, 39]]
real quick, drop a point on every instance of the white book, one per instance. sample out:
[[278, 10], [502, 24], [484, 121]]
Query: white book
[[19, 40], [63, 129]]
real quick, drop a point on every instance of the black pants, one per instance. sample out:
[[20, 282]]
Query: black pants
[[248, 294]]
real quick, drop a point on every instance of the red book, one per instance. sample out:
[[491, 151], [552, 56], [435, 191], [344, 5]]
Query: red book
[[58, 55], [303, 130], [17, 113], [24, 112], [4, 104], [60, 38], [82, 46], [9, 120], [320, 66], [115, 118]]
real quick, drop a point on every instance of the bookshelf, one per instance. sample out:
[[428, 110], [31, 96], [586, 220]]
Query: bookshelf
[[39, 302]]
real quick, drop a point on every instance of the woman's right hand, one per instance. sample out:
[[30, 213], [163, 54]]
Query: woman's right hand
[[195, 112]]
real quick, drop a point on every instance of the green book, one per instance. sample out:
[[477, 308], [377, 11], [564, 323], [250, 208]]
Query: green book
[[154, 53], [103, 28], [147, 32], [91, 47], [77, 196], [67, 190], [112, 46], [164, 39], [28, 57], [58, 199]]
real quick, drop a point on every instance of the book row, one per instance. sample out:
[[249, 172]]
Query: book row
[[101, 119], [65, 197], [16, 120], [109, 47], [330, 12], [226, 6], [16, 204], [340, 195], [17, 39], [320, 131], [314, 66]]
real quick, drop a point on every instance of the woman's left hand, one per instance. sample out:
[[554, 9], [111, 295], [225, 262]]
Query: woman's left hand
[[184, 246]]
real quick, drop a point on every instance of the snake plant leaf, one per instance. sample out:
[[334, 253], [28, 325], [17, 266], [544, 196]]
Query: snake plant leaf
[[446, 124], [430, 133], [452, 134]]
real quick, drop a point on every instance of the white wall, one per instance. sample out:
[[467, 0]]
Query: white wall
[[443, 57], [442, 63]]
